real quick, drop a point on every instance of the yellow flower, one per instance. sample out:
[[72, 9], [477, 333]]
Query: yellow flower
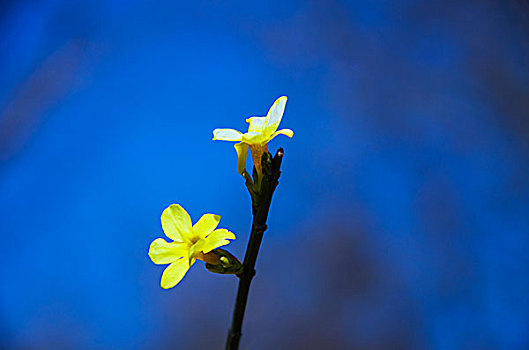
[[191, 242], [260, 131]]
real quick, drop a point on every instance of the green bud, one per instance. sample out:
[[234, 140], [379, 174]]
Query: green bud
[[228, 264]]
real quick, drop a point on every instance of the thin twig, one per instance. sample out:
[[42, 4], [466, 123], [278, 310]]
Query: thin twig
[[261, 201]]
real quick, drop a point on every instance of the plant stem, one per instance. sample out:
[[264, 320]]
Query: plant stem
[[261, 200]]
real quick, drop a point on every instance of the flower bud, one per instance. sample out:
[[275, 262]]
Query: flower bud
[[221, 261]]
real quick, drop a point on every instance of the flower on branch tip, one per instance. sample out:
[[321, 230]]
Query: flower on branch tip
[[190, 242], [260, 131]]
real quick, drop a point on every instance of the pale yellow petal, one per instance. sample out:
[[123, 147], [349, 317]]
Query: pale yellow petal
[[242, 154], [176, 224], [206, 224], [174, 273], [253, 137], [162, 252], [216, 239], [195, 249], [273, 118], [227, 135], [286, 132], [256, 124]]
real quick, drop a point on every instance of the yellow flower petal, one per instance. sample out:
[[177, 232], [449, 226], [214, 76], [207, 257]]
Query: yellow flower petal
[[286, 132], [273, 118], [216, 239], [174, 273], [227, 135], [162, 252], [242, 154], [256, 124], [176, 224], [253, 137], [195, 250], [206, 224]]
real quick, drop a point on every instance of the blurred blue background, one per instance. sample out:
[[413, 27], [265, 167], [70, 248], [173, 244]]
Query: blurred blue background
[[401, 218]]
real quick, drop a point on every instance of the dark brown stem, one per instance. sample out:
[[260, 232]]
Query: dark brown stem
[[261, 200]]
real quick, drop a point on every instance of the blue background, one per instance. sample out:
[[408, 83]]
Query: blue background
[[401, 218]]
